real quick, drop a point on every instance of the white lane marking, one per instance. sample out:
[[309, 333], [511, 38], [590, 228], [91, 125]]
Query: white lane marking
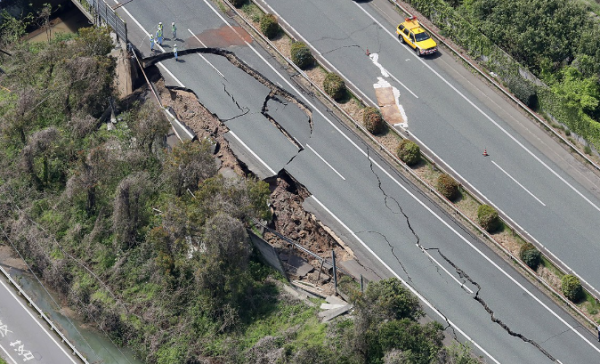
[[157, 45], [324, 161], [347, 80], [202, 55], [375, 57], [461, 284], [39, 324], [486, 115], [414, 291], [398, 183], [375, 163], [517, 182], [252, 152], [7, 354], [513, 138]]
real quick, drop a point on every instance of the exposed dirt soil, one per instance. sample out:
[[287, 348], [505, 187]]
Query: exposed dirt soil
[[289, 218]]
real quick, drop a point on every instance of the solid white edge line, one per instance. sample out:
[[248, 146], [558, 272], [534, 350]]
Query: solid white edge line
[[423, 299], [514, 139], [202, 56], [520, 185], [279, 18], [34, 319], [252, 152], [364, 153], [7, 354], [486, 115], [414, 197], [324, 161]]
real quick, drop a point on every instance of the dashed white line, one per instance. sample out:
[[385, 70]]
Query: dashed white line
[[324, 161], [486, 115], [202, 56], [520, 185], [251, 151], [461, 284], [414, 291]]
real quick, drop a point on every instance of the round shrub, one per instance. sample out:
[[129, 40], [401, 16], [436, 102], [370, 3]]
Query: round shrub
[[334, 86], [269, 26], [238, 3], [372, 120], [530, 255], [447, 186], [571, 287], [409, 152], [301, 55], [487, 217]]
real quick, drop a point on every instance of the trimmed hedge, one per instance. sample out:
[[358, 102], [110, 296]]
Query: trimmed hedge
[[373, 120], [409, 152], [301, 55], [571, 287], [447, 186], [269, 26], [335, 86], [530, 255], [488, 218]]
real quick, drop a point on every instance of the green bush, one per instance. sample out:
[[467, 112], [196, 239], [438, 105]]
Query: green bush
[[238, 3], [523, 90], [530, 255], [488, 218], [571, 287], [447, 186], [334, 86], [409, 152], [269, 26], [372, 120], [301, 55]]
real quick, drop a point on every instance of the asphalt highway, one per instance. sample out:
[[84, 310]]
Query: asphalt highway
[[549, 194], [24, 338], [371, 206]]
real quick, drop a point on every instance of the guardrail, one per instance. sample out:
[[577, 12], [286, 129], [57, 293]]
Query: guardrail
[[44, 316], [102, 12], [435, 161]]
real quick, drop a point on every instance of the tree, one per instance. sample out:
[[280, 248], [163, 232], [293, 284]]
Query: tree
[[150, 127], [189, 164]]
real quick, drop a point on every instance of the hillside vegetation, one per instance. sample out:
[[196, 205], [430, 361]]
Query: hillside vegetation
[[150, 244]]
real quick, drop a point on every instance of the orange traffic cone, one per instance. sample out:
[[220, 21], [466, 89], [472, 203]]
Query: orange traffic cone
[[485, 153]]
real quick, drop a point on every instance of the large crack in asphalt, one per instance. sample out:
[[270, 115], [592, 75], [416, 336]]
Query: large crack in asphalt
[[276, 92], [407, 219], [265, 112], [361, 30], [496, 320], [244, 109]]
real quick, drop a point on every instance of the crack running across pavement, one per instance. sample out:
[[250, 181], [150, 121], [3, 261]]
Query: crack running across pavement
[[490, 311]]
